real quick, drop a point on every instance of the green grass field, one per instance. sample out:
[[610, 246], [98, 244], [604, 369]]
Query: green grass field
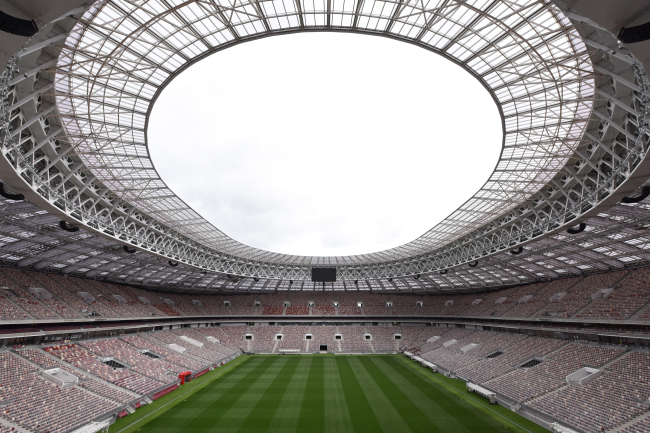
[[323, 393]]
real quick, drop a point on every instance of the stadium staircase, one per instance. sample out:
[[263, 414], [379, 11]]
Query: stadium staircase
[[620, 428], [604, 366], [275, 344], [583, 309], [640, 312], [15, 305], [532, 400], [15, 427], [338, 342], [614, 285]]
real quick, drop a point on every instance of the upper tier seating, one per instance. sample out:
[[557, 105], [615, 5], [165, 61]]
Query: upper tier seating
[[579, 295], [74, 298], [4, 428], [629, 297], [9, 310], [323, 310], [243, 304], [295, 310], [541, 294], [273, 310], [403, 305], [18, 283]]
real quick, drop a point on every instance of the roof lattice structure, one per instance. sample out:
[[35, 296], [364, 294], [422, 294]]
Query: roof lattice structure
[[572, 99]]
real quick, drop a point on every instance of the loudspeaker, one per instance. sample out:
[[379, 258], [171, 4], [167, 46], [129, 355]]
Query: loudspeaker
[[17, 26], [630, 35]]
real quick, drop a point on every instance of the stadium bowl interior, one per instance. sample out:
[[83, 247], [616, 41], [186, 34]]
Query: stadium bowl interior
[[535, 292]]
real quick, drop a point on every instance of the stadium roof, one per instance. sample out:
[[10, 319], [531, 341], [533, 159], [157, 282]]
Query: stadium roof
[[572, 99]]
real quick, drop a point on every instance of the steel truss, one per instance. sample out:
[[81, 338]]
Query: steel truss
[[614, 240], [573, 101]]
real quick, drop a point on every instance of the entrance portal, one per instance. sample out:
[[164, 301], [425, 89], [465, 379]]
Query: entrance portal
[[323, 348]]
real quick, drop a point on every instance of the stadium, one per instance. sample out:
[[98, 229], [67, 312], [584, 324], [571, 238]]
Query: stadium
[[526, 309]]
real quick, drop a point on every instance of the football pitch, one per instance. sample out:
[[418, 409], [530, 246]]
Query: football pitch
[[322, 394]]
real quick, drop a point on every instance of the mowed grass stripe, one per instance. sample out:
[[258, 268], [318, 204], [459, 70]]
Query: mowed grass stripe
[[205, 409], [472, 418], [263, 412], [167, 402], [336, 406], [361, 413], [500, 414], [234, 417], [389, 418], [409, 411], [312, 412], [431, 409], [287, 415]]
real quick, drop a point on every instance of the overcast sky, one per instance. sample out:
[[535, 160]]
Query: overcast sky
[[325, 143]]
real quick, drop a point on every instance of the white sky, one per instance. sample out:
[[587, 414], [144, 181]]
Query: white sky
[[325, 143]]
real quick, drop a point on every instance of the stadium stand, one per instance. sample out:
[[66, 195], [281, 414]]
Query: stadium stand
[[156, 369], [322, 335], [39, 405], [639, 426], [159, 350], [352, 339], [295, 310], [579, 295], [324, 310], [517, 353], [524, 384], [264, 339], [383, 338], [74, 297], [625, 385], [124, 378], [243, 304], [293, 338], [541, 276], [233, 336], [46, 361], [527, 370]]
